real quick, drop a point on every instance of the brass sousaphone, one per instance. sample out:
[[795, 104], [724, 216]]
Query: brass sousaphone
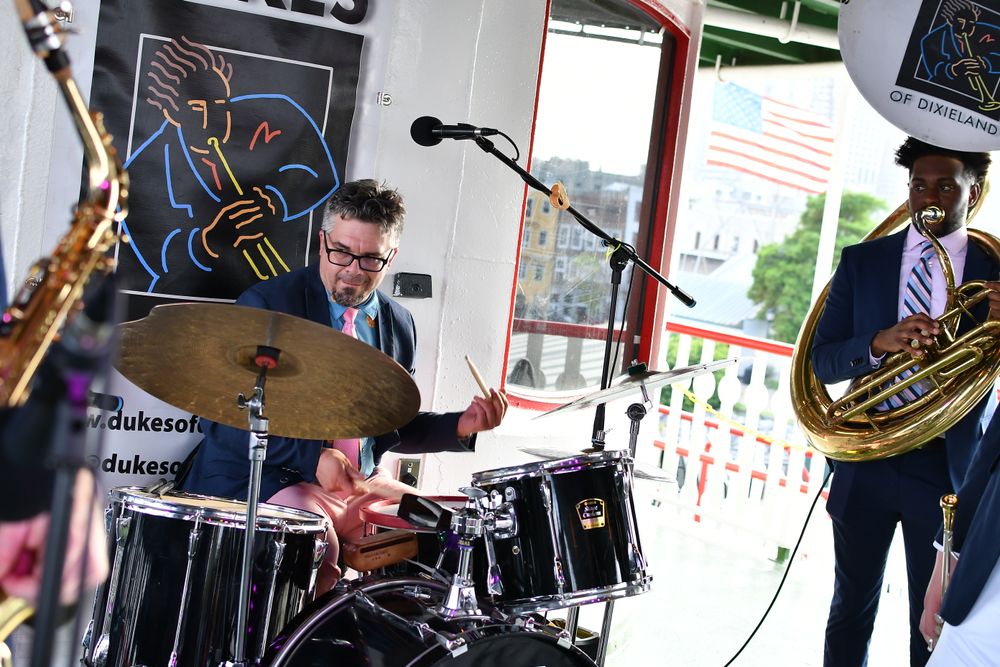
[[959, 370]]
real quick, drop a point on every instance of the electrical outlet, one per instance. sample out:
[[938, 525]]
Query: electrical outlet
[[408, 471]]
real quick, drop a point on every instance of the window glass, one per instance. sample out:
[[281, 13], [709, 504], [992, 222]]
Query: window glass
[[592, 134]]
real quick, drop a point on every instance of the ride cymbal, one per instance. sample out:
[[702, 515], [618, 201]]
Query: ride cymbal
[[634, 382], [199, 356]]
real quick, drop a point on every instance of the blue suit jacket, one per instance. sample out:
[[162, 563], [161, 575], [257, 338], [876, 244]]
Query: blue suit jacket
[[864, 299], [220, 466], [977, 527]]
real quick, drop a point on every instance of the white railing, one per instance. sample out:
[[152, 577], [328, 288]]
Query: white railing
[[743, 464]]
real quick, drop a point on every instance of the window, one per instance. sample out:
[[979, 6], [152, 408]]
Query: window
[[562, 240], [603, 59]]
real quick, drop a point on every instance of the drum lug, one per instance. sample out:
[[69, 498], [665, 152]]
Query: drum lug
[[279, 555], [557, 570], [319, 551], [502, 522], [637, 557], [194, 537], [494, 580]]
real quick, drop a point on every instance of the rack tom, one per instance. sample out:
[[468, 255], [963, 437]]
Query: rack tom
[[570, 535]]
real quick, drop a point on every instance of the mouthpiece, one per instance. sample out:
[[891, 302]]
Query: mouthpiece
[[930, 214]]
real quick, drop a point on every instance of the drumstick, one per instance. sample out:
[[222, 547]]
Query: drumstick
[[479, 378]]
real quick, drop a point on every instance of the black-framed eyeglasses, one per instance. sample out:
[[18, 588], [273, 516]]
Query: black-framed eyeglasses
[[368, 263]]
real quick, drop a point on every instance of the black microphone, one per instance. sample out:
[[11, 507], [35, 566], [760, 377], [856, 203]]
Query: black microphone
[[428, 131]]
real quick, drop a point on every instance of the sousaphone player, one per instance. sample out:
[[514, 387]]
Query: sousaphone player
[[885, 298]]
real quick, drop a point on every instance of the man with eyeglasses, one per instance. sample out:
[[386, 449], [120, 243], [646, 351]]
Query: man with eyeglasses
[[359, 239]]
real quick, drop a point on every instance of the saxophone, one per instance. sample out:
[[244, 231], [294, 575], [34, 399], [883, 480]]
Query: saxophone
[[52, 294]]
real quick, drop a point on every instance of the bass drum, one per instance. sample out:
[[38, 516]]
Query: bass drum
[[391, 623]]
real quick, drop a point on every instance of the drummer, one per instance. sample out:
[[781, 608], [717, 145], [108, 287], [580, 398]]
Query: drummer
[[359, 240]]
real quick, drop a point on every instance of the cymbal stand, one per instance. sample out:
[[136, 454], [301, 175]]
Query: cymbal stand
[[621, 254], [266, 359]]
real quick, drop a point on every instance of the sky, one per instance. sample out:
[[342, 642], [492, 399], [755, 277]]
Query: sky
[[592, 107]]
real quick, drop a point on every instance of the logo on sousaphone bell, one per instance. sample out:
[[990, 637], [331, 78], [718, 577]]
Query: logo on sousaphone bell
[[954, 54]]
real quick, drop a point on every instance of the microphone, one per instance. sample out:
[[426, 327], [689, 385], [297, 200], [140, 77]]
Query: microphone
[[429, 131]]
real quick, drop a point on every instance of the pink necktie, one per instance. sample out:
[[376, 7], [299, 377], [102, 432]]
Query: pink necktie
[[348, 327], [351, 447]]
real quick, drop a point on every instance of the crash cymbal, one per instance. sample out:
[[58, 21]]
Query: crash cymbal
[[639, 470], [634, 381], [199, 356]]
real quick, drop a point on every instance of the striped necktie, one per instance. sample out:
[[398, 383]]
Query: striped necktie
[[916, 299]]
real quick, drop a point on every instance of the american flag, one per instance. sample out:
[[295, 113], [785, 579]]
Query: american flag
[[770, 139]]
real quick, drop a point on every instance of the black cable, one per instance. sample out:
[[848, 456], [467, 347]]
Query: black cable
[[517, 151], [791, 559]]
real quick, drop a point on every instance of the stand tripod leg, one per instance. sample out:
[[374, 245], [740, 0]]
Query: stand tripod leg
[[573, 623], [602, 642]]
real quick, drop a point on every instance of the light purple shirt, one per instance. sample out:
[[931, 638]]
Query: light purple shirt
[[956, 243]]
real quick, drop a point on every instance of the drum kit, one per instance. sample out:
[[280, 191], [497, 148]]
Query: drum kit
[[190, 585]]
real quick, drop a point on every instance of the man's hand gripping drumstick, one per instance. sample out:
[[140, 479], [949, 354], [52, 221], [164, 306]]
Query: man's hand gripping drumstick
[[486, 411]]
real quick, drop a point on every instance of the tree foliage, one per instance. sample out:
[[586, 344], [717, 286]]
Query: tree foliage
[[783, 274]]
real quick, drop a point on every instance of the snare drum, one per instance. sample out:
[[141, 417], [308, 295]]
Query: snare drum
[[572, 538], [173, 592]]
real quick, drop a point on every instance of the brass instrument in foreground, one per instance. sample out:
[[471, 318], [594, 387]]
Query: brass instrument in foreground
[[949, 503], [958, 372], [53, 292]]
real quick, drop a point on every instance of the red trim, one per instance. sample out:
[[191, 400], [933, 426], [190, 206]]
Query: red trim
[[670, 102], [524, 198], [707, 459], [763, 344], [567, 329]]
